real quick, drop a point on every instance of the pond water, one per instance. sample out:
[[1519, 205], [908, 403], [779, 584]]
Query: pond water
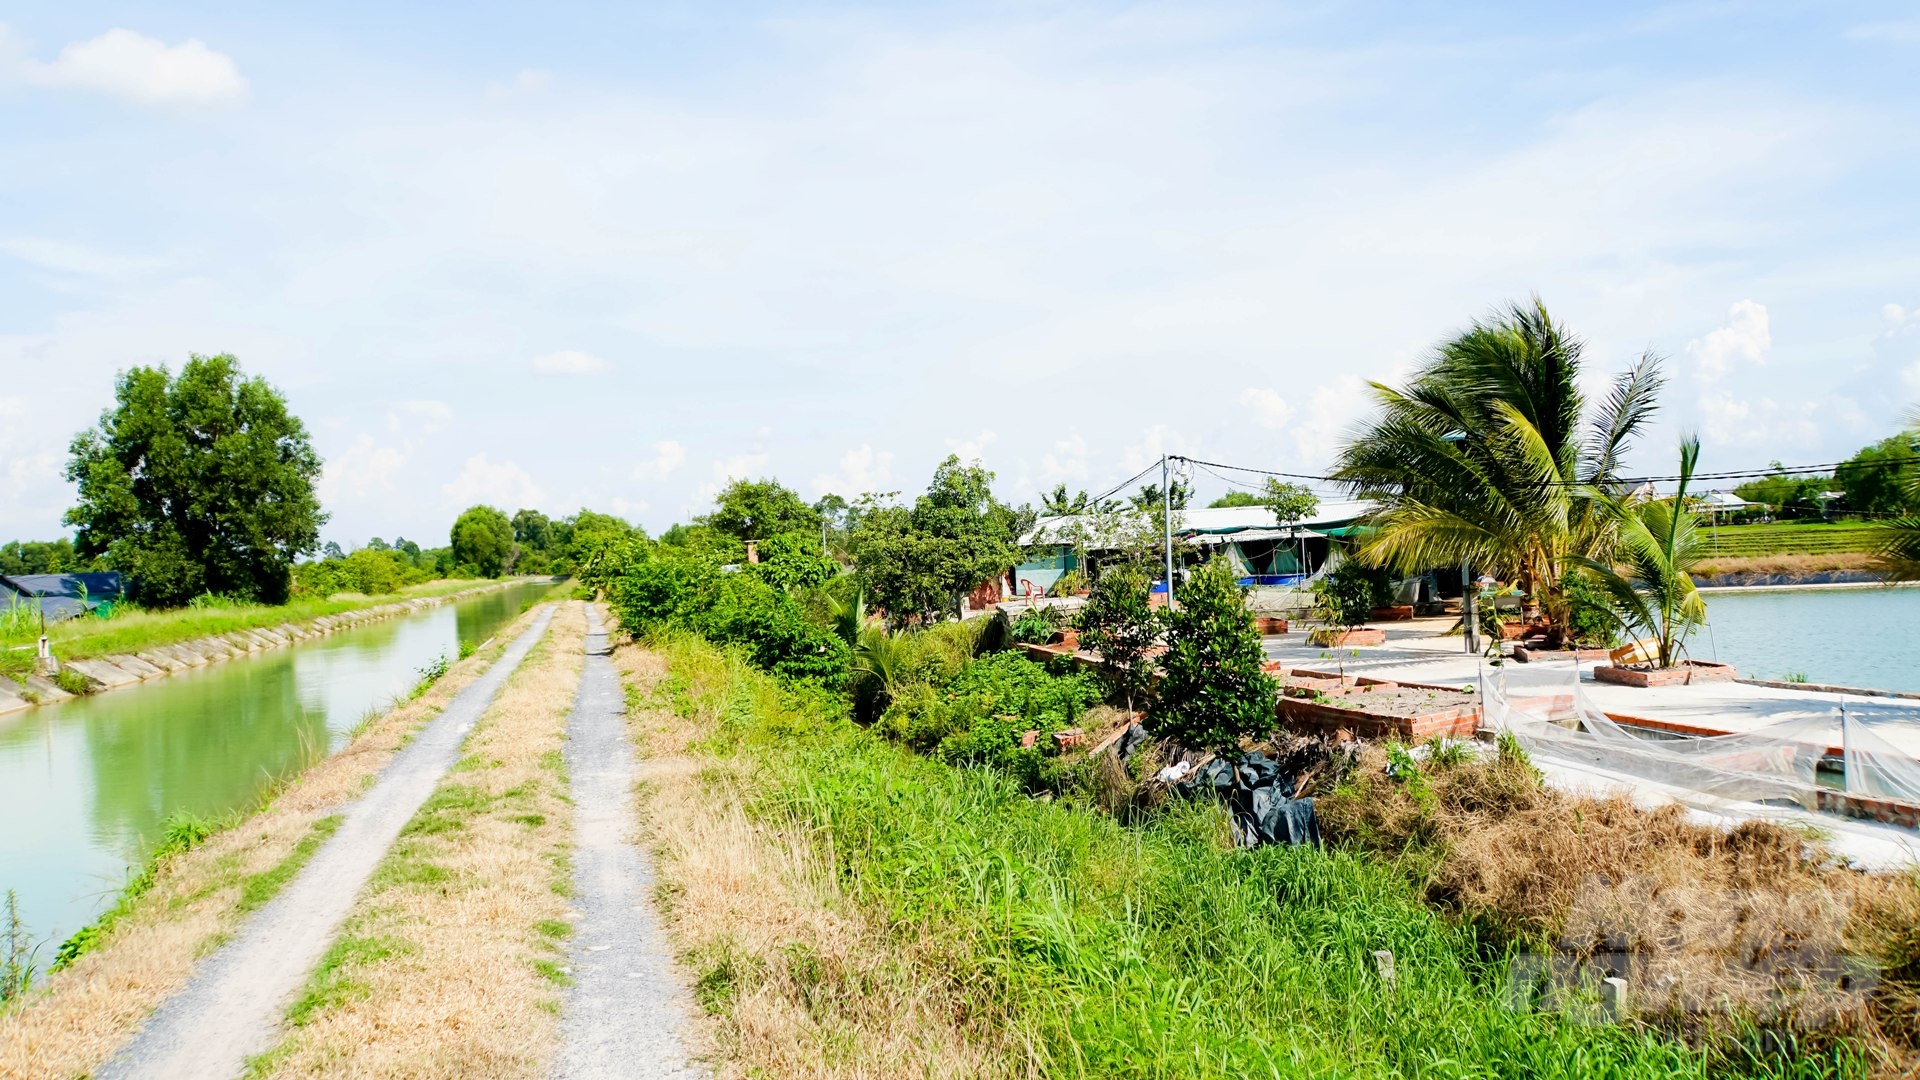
[[87, 785], [1845, 637]]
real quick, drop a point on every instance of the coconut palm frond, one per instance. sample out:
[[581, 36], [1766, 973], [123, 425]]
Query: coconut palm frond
[[1629, 406]]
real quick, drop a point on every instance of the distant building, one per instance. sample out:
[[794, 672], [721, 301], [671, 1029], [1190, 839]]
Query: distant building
[[1246, 536]]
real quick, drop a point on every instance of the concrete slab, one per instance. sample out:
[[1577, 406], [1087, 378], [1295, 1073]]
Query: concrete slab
[[158, 659], [136, 666], [11, 698], [102, 672]]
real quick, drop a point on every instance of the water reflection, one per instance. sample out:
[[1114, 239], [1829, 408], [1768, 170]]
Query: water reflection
[[86, 785]]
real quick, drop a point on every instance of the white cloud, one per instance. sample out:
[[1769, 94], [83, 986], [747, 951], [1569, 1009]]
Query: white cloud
[[1900, 32], [1270, 410], [1336, 406], [365, 470], [525, 83], [862, 469], [974, 449], [141, 69], [65, 257], [424, 417], [1066, 462], [739, 467], [1746, 338], [668, 456], [504, 485], [569, 362]]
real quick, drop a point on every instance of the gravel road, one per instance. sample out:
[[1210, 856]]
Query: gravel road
[[232, 1006], [626, 1013]]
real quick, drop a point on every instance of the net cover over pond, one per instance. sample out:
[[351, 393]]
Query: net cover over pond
[[86, 785]]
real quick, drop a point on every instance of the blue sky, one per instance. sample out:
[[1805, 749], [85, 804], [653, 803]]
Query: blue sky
[[572, 254]]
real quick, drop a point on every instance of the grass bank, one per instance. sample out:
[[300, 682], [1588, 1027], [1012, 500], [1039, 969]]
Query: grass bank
[[450, 964], [187, 901], [132, 631], [935, 920]]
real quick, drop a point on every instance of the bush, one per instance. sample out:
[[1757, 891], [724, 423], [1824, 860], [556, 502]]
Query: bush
[[1214, 691], [1348, 596], [979, 716], [663, 589]]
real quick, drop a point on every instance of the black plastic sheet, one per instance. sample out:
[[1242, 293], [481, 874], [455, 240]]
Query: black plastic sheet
[[1259, 796]]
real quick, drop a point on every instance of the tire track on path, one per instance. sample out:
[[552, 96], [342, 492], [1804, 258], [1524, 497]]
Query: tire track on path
[[626, 1013], [232, 1006]]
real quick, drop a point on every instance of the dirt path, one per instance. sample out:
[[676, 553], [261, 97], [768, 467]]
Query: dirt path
[[626, 1013], [232, 1005]]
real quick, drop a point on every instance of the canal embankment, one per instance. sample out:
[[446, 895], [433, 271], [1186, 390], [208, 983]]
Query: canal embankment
[[105, 656], [201, 897]]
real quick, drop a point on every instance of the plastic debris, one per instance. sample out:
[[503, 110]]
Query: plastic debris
[[1259, 797]]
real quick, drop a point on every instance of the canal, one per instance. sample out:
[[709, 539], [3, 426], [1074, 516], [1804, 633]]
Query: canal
[[87, 785]]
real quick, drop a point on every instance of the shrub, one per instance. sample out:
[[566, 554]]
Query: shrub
[[1214, 691], [728, 607], [1347, 597], [1121, 623]]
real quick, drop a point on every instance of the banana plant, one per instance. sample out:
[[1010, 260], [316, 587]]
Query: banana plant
[[1649, 582]]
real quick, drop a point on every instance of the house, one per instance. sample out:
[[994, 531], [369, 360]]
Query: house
[[62, 596], [1247, 536]]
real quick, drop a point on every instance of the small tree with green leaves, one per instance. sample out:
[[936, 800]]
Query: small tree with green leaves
[[1122, 625], [1290, 503], [1214, 690], [1660, 542]]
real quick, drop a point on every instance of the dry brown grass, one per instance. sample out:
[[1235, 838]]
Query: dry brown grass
[[1786, 564], [82, 1014], [794, 981], [1719, 923], [443, 968]]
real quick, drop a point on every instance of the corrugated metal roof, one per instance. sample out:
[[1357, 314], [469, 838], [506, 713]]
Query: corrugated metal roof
[[1332, 513]]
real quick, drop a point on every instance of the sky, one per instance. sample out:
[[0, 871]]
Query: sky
[[569, 255]]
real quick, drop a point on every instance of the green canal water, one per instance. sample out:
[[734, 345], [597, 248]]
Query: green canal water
[[1844, 637], [86, 785]]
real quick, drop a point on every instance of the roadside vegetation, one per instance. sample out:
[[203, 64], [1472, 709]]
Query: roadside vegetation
[[450, 962], [1032, 937], [194, 892]]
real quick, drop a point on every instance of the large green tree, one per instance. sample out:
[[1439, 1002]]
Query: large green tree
[[1492, 454], [1898, 550], [482, 540], [197, 483], [915, 562], [1883, 478], [761, 510]]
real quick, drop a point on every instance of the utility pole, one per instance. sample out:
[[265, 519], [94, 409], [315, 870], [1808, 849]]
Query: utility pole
[[1166, 509], [1470, 616]]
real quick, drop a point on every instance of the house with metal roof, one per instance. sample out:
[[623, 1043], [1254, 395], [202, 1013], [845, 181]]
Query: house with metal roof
[[1247, 536]]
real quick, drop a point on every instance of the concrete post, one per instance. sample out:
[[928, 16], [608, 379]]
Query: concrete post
[[1383, 964], [1613, 998]]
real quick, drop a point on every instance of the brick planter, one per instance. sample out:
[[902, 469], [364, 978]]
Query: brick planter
[[1394, 613], [1526, 655], [1383, 710], [1328, 638], [1271, 626], [1685, 673]]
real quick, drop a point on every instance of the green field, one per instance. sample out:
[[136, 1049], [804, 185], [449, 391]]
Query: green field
[[1789, 538]]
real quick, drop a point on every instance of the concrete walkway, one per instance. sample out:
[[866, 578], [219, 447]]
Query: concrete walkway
[[231, 1008], [625, 1015]]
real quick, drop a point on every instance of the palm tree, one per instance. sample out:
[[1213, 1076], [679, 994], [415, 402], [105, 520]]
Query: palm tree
[[1659, 543], [1489, 454], [1898, 551]]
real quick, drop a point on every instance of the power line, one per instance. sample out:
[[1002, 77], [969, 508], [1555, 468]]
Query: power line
[[1738, 474]]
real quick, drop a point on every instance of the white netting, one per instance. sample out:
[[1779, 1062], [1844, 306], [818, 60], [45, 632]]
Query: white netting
[[1551, 715], [1773, 763], [1875, 767]]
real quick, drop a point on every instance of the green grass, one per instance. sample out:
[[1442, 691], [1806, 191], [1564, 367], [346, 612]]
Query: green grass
[[132, 631], [1789, 538], [182, 833], [264, 886], [1091, 949]]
